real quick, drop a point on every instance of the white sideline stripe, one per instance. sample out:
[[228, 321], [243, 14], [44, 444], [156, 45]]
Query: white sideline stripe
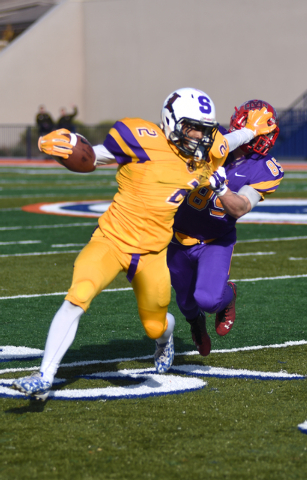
[[33, 296], [259, 347], [85, 224], [256, 240], [22, 242], [81, 245], [146, 357], [253, 254], [59, 245], [60, 293], [282, 277], [37, 253], [129, 288]]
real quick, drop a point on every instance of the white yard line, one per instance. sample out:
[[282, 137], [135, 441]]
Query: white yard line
[[253, 254], [38, 227], [38, 254], [60, 293], [283, 239], [22, 242], [146, 357], [82, 245], [284, 277], [59, 245]]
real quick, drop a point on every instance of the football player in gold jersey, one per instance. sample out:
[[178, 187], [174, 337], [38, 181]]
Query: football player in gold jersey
[[157, 168]]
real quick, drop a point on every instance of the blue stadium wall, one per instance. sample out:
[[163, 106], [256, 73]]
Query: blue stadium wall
[[292, 140]]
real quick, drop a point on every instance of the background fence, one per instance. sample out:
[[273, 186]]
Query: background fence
[[20, 141], [292, 140]]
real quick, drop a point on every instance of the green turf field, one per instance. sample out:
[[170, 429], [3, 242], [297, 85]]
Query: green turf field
[[225, 427]]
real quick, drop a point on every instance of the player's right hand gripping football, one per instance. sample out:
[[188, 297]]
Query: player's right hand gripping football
[[218, 182], [56, 143], [257, 122]]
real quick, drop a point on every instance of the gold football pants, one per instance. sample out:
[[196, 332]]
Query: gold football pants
[[99, 263]]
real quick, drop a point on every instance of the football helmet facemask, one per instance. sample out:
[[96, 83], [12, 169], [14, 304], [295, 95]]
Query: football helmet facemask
[[263, 143], [184, 112]]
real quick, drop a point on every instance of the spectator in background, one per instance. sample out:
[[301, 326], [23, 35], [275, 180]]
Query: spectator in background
[[8, 34], [66, 120], [44, 121]]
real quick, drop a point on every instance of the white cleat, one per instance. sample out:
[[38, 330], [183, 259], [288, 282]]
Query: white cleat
[[164, 355], [33, 386]]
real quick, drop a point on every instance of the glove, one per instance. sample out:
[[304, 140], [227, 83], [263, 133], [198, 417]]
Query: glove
[[55, 143], [257, 122], [217, 182]]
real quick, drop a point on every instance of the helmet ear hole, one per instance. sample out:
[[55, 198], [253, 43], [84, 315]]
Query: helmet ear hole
[[263, 143]]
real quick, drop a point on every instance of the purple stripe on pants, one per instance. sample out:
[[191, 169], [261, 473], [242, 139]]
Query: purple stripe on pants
[[135, 257]]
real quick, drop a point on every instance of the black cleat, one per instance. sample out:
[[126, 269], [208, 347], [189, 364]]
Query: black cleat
[[199, 334]]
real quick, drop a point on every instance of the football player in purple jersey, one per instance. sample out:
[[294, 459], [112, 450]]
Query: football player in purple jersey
[[199, 255]]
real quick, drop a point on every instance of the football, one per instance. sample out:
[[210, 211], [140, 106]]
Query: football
[[82, 158]]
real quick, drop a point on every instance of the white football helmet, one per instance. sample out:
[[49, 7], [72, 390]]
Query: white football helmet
[[192, 109]]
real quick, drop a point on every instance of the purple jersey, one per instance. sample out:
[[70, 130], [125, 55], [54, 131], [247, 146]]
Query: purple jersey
[[202, 216]]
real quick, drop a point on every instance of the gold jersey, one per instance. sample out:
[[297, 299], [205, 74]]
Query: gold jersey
[[153, 179]]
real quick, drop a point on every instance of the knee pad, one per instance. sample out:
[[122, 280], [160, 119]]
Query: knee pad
[[154, 329], [83, 291], [206, 302]]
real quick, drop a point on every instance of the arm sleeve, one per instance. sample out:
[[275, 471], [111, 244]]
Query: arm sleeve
[[103, 156], [238, 137], [253, 196]]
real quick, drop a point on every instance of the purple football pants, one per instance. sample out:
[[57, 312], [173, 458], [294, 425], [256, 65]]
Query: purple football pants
[[199, 275]]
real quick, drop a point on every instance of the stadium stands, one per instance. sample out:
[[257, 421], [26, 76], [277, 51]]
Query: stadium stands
[[292, 140], [17, 15]]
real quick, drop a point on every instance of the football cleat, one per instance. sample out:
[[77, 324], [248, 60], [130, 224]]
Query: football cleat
[[224, 320], [200, 335], [164, 355], [33, 386]]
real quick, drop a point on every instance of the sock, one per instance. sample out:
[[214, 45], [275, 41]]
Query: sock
[[170, 328], [191, 320], [61, 334]]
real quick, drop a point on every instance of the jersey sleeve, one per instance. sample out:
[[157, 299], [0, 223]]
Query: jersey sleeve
[[132, 140], [266, 176], [218, 153]]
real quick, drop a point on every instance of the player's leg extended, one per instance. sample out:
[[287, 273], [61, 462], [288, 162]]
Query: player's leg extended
[[95, 268], [152, 289]]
